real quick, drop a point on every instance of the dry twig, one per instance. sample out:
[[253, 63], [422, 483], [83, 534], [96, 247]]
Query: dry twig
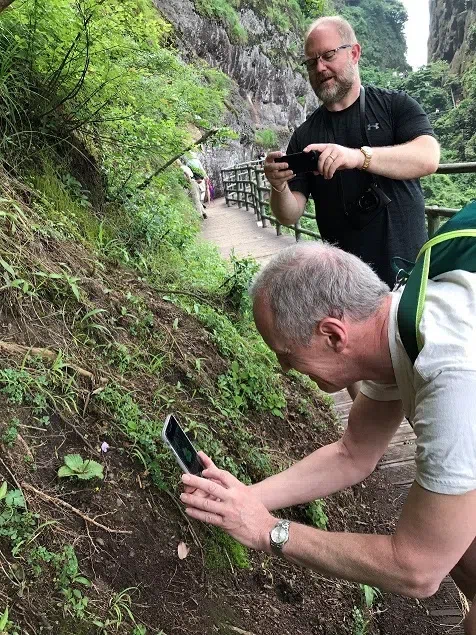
[[45, 353], [71, 425], [61, 503]]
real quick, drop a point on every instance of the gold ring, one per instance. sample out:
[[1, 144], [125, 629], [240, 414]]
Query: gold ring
[[331, 157]]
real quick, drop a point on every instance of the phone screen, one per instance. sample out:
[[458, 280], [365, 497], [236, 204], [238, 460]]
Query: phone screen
[[182, 446]]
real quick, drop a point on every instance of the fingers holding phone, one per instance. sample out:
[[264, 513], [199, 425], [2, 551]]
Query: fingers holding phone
[[277, 172], [333, 157], [187, 457], [207, 463]]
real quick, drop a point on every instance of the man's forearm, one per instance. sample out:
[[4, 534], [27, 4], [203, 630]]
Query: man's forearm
[[327, 470], [285, 206], [370, 559], [411, 160]]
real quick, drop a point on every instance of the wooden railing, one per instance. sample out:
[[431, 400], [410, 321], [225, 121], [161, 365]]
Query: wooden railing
[[246, 185]]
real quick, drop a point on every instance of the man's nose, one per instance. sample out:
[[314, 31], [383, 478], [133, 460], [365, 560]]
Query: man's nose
[[321, 65]]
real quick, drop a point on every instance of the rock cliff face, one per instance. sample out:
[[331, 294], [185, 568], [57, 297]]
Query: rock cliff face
[[265, 94], [452, 32]]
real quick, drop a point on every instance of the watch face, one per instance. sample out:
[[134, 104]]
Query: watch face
[[279, 534]]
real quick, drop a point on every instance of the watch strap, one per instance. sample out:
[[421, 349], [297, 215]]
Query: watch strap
[[368, 157]]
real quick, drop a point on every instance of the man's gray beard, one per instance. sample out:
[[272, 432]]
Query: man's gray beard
[[336, 93], [343, 84]]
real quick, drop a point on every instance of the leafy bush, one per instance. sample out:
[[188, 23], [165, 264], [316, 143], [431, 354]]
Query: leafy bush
[[266, 139]]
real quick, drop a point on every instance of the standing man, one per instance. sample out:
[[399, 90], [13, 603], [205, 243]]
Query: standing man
[[374, 145], [366, 157]]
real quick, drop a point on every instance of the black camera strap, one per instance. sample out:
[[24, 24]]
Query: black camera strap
[[372, 178]]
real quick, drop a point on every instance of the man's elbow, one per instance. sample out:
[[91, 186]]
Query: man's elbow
[[417, 579], [430, 157], [421, 584]]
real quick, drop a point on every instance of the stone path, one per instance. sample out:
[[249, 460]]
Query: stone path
[[232, 228]]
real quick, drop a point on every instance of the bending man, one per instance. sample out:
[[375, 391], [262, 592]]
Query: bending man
[[326, 314]]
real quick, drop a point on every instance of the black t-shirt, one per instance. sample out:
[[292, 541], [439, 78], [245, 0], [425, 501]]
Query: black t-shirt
[[391, 118]]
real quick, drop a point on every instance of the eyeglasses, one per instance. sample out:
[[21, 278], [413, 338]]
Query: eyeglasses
[[328, 56]]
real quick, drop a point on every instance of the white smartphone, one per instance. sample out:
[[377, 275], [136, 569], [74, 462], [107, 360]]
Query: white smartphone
[[185, 454]]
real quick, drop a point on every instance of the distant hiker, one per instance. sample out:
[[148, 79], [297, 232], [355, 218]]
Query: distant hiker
[[211, 189], [194, 189], [202, 186], [326, 314]]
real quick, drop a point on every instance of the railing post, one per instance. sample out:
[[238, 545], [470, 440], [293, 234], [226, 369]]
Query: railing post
[[433, 223], [246, 185], [297, 231], [237, 187], [252, 172], [225, 187]]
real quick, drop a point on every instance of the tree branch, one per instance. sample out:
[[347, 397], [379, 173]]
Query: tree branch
[[4, 4], [202, 139]]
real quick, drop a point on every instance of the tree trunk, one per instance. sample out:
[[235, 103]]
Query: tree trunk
[[4, 4]]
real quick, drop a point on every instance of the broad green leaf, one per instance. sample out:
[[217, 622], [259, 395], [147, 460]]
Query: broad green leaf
[[74, 462], [14, 498], [3, 490], [91, 469], [66, 471], [75, 290], [81, 580]]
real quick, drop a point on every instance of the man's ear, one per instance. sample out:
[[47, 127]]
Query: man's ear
[[335, 332], [356, 52]]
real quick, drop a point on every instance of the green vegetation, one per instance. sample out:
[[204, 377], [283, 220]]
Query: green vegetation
[[286, 16], [84, 470], [132, 318], [97, 255], [266, 139], [223, 552], [316, 513]]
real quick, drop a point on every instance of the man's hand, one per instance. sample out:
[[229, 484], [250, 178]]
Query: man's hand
[[334, 157], [276, 173], [207, 462], [227, 503]]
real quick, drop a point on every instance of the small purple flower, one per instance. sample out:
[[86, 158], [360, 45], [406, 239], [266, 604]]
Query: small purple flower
[[105, 446]]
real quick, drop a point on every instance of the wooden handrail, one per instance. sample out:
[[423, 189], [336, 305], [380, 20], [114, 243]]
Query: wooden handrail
[[246, 184]]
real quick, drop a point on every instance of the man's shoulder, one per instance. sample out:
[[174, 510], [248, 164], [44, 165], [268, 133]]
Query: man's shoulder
[[384, 94]]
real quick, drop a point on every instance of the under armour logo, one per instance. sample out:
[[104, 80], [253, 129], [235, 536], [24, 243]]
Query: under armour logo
[[374, 126]]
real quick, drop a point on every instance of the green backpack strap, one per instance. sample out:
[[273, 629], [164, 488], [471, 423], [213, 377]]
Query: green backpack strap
[[452, 247]]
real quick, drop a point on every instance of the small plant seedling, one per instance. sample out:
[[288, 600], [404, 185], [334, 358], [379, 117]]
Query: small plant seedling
[[84, 470]]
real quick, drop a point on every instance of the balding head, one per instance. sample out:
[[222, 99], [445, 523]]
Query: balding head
[[308, 282], [336, 22]]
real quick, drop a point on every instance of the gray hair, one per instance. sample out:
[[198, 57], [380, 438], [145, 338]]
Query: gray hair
[[308, 282], [343, 27]]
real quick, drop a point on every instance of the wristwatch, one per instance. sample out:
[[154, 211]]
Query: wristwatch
[[279, 536], [367, 152]]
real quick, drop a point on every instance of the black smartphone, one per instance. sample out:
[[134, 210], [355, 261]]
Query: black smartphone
[[185, 454], [301, 161]]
